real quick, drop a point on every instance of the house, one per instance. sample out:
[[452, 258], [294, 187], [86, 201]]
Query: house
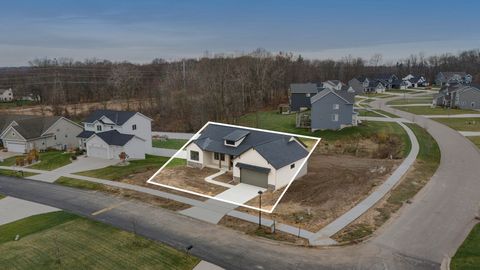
[[20, 134], [300, 94], [444, 78], [333, 84], [364, 81], [333, 110], [6, 95], [107, 133], [376, 87], [458, 96], [356, 85], [259, 158]]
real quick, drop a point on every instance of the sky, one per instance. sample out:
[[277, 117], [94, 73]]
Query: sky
[[141, 30]]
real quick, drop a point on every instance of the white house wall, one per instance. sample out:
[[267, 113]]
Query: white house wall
[[194, 147], [252, 157], [286, 174], [135, 149], [66, 134], [144, 129]]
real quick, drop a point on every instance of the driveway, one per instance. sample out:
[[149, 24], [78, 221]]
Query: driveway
[[12, 209], [79, 165], [5, 155], [214, 210]]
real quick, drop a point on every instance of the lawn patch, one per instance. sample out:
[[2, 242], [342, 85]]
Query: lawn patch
[[369, 113], [33, 224], [15, 173], [426, 110], [461, 124], [81, 184], [71, 242], [117, 172], [52, 160], [404, 101], [169, 143], [468, 255]]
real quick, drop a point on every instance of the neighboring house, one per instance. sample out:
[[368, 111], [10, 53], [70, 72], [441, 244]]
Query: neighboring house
[[333, 110], [458, 96], [376, 87], [356, 85], [333, 84], [23, 134], [108, 133], [300, 94], [31, 97], [364, 81], [259, 158], [444, 78], [6, 95]]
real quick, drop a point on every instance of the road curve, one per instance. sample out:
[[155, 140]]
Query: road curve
[[443, 212]]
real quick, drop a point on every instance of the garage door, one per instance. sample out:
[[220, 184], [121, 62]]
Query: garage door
[[250, 177], [16, 147], [96, 151]]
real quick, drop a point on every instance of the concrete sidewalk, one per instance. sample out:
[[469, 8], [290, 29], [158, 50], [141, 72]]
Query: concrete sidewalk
[[382, 119], [12, 209], [470, 133], [468, 115]]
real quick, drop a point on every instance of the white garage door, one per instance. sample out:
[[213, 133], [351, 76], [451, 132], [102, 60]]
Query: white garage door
[[97, 151], [16, 147]]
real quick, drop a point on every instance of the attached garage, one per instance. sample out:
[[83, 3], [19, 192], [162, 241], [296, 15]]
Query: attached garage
[[16, 147], [253, 175], [98, 151]]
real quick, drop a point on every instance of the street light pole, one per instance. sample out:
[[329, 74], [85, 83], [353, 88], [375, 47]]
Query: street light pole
[[259, 210]]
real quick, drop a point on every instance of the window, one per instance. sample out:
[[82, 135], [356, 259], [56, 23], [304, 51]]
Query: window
[[194, 155], [55, 137], [229, 142], [334, 117], [307, 94], [218, 156], [134, 127], [99, 128], [292, 166], [473, 104], [13, 134], [66, 135], [336, 106]]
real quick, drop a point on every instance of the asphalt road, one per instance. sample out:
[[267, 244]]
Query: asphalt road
[[426, 231]]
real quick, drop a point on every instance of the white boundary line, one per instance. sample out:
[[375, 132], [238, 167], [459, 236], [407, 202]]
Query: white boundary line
[[150, 180]]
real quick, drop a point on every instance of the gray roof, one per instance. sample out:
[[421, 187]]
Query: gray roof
[[117, 117], [113, 137], [85, 134], [277, 149], [31, 128], [356, 85], [7, 119], [252, 167], [449, 74], [236, 135], [347, 97], [304, 88]]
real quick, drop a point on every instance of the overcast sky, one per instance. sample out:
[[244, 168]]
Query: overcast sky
[[141, 30]]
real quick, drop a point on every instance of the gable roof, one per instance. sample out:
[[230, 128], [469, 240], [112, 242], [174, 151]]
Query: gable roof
[[85, 134], [113, 137], [7, 119], [277, 149], [341, 94], [236, 135], [117, 117], [304, 88], [31, 128]]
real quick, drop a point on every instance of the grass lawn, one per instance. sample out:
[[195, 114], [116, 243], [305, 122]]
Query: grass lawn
[[377, 95], [461, 124], [78, 183], [1, 196], [286, 123], [410, 101], [8, 161], [468, 255], [387, 113], [401, 91], [427, 162], [61, 240], [368, 113], [52, 160], [16, 173], [134, 166], [18, 103], [169, 144], [426, 110]]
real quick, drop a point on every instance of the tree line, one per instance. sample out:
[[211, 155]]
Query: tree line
[[182, 95]]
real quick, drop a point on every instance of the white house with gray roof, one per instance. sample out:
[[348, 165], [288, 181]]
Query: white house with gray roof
[[107, 133], [6, 95], [22, 133], [259, 158]]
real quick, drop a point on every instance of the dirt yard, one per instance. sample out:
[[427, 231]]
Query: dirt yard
[[191, 179], [333, 185]]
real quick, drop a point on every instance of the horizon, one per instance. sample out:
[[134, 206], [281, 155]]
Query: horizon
[[142, 31]]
